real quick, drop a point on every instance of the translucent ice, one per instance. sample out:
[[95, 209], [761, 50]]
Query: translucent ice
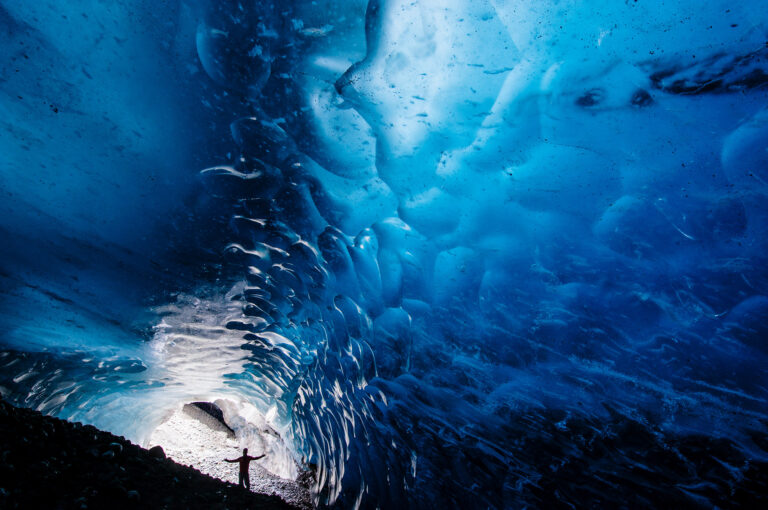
[[456, 254]]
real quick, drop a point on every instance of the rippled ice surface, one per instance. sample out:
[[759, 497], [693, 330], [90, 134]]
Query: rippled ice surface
[[476, 254]]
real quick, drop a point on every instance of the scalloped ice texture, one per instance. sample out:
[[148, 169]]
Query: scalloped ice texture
[[455, 254]]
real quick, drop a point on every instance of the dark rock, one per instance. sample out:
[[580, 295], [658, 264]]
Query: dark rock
[[157, 452], [209, 414]]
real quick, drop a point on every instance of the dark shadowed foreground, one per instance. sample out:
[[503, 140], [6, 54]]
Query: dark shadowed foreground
[[50, 463]]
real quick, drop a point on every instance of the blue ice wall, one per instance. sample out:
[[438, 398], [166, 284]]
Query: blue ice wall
[[475, 254], [97, 141]]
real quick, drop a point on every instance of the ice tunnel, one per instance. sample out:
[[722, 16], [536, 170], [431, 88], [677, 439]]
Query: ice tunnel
[[441, 253]]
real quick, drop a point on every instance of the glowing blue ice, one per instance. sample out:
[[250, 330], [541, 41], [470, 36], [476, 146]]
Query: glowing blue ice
[[428, 240]]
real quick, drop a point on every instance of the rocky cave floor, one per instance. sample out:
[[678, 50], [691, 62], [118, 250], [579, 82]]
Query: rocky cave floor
[[50, 463]]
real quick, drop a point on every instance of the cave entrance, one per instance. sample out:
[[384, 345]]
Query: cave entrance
[[202, 434]]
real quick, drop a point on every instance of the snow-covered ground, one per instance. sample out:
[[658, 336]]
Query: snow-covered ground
[[192, 437]]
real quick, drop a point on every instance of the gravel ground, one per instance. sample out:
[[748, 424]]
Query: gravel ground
[[191, 437]]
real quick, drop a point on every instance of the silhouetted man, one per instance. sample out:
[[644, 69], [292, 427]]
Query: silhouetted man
[[245, 462]]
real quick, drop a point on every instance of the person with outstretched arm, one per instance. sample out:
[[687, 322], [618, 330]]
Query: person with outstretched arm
[[245, 463]]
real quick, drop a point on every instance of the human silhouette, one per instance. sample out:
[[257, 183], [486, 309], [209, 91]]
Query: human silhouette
[[245, 462]]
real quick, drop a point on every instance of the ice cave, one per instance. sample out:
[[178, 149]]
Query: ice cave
[[436, 253]]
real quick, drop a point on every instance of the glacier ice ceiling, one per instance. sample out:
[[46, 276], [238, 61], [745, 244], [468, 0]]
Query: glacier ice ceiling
[[487, 253]]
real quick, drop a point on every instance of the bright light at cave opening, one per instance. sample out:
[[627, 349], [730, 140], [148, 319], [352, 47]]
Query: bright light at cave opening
[[203, 434], [205, 423]]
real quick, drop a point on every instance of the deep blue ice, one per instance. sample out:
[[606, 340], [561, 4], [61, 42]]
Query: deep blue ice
[[446, 248]]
